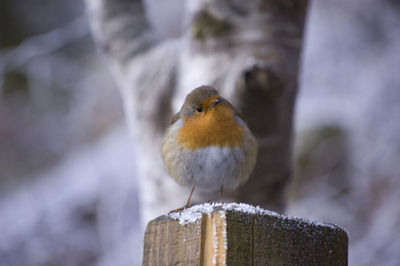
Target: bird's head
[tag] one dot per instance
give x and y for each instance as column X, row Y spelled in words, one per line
column 209, row 120
column 202, row 102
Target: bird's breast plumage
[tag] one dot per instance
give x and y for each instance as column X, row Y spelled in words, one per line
column 218, row 127
column 217, row 151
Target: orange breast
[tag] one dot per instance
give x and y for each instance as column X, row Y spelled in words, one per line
column 217, row 127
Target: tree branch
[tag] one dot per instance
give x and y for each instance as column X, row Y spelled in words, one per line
column 120, row 27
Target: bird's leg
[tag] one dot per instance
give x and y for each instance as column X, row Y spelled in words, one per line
column 187, row 203
column 190, row 197
column 222, row 193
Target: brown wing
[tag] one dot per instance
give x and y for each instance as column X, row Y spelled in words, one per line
column 175, row 117
column 239, row 114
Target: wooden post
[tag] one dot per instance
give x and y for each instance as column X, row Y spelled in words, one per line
column 240, row 234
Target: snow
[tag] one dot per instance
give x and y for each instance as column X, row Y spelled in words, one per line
column 194, row 213
column 42, row 219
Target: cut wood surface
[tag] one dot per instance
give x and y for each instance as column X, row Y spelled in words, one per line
column 240, row 234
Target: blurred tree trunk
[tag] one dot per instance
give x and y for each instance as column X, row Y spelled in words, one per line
column 249, row 50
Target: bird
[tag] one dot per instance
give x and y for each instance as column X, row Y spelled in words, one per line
column 208, row 145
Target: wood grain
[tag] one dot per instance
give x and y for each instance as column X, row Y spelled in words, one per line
column 232, row 237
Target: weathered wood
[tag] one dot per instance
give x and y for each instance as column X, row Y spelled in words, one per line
column 240, row 234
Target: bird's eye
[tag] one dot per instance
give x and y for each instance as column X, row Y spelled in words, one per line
column 199, row 109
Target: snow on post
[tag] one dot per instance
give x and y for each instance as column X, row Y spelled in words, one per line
column 240, row 234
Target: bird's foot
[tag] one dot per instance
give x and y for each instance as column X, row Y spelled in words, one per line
column 179, row 209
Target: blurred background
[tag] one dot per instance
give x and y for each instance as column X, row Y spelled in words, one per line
column 68, row 186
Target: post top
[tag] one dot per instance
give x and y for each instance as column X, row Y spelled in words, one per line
column 196, row 212
column 241, row 234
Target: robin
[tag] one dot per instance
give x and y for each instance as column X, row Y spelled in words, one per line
column 208, row 145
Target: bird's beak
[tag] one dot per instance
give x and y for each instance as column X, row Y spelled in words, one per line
column 213, row 103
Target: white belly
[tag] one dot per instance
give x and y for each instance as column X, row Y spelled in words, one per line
column 212, row 167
